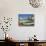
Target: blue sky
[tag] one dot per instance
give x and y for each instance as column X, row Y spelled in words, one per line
column 24, row 16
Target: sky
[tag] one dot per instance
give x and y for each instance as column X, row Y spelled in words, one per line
column 24, row 16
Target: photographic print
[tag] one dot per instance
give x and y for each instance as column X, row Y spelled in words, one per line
column 26, row 20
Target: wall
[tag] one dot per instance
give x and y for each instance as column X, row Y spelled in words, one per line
column 11, row 8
